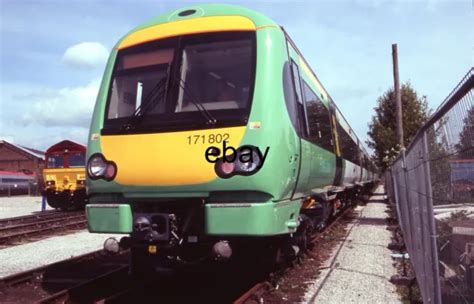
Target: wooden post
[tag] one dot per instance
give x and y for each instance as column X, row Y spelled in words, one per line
column 398, row 98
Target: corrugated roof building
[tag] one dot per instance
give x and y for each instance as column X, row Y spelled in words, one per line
column 21, row 159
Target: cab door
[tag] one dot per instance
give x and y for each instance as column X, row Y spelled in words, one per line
column 304, row 145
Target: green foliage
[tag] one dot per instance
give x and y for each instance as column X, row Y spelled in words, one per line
column 465, row 147
column 444, row 228
column 382, row 129
column 440, row 170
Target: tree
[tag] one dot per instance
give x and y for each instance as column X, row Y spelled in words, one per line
column 382, row 129
column 465, row 146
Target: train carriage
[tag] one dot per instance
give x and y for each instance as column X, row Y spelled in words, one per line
column 64, row 176
column 16, row 183
column 212, row 133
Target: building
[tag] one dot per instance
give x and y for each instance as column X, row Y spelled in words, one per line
column 16, row 158
column 462, row 179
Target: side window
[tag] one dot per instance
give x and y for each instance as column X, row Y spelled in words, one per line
column 296, row 81
column 349, row 149
column 318, row 119
column 299, row 100
column 290, row 95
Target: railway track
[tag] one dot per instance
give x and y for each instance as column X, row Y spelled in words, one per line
column 100, row 289
column 25, row 219
column 14, row 230
column 32, row 274
column 61, row 281
column 255, row 293
column 116, row 286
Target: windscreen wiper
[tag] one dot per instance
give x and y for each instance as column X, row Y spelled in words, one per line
column 157, row 94
column 210, row 120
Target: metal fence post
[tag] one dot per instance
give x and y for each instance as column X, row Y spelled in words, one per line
column 432, row 225
column 408, row 204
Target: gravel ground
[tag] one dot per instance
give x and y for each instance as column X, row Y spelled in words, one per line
column 359, row 269
column 20, row 205
column 36, row 254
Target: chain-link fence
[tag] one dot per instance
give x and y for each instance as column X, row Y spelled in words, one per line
column 432, row 184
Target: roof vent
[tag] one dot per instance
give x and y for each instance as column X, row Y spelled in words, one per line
column 186, row 13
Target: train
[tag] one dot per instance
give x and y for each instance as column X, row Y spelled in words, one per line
column 212, row 137
column 65, row 176
column 12, row 183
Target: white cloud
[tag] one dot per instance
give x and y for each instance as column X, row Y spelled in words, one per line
column 69, row 106
column 87, row 55
column 39, row 116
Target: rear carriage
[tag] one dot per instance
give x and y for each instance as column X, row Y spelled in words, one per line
column 12, row 183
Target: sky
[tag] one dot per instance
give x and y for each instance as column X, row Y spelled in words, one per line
column 53, row 54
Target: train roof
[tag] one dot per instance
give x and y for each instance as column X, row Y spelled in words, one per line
column 66, row 145
column 202, row 11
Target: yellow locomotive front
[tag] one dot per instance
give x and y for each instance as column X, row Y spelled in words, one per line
column 64, row 176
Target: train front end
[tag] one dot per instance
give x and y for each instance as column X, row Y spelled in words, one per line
column 65, row 176
column 183, row 147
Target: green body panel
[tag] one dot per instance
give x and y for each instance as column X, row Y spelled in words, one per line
column 109, row 219
column 323, row 168
column 252, row 219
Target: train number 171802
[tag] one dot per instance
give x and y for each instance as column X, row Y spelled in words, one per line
column 209, row 138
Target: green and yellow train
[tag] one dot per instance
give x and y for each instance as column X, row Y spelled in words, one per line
column 210, row 134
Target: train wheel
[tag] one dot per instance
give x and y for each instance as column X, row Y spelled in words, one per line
column 304, row 233
column 54, row 200
column 326, row 215
column 66, row 200
column 78, row 200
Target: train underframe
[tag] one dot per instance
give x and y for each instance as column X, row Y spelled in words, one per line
column 165, row 237
column 66, row 199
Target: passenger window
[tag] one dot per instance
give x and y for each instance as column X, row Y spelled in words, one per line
column 349, row 149
column 318, row 119
column 296, row 81
column 300, row 105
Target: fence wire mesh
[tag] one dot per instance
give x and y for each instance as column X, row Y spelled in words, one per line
column 432, row 184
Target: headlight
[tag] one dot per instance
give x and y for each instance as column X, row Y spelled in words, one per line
column 110, row 171
column 246, row 162
column 96, row 166
column 224, row 169
column 99, row 167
